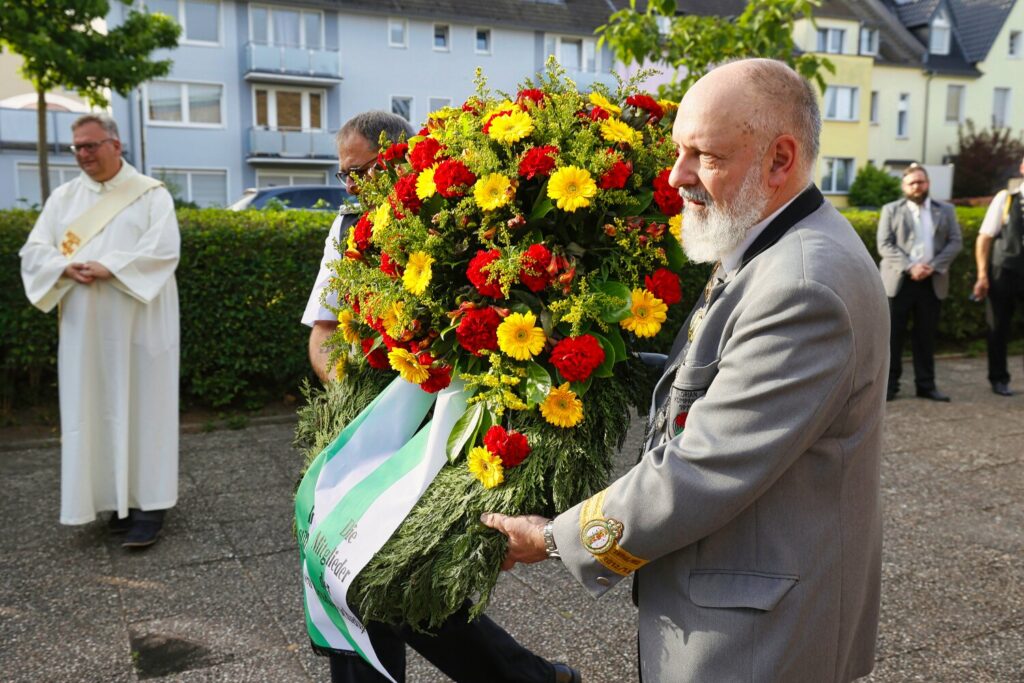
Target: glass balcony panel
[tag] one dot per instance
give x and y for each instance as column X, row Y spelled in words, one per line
column 291, row 144
column 296, row 61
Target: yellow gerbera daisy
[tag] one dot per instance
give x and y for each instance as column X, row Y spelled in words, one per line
column 418, row 272
column 599, row 100
column 646, row 314
column 425, row 186
column 519, row 337
column 675, row 225
column 392, row 320
column 572, row 188
column 405, row 363
column 616, row 130
column 511, row 128
column 562, row 408
column 381, row 216
column 492, row 191
column 669, row 106
column 346, row 322
column 486, row 467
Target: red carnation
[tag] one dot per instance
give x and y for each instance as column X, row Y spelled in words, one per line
column 615, row 177
column 665, row 196
column 424, row 154
column 440, row 378
column 664, row 284
column 655, row 111
column 534, row 273
column 362, row 231
column 480, row 276
column 511, row 447
column 478, row 330
column 395, row 151
column 405, row 190
column 597, row 114
column 471, row 106
column 452, row 178
column 538, row 161
column 577, row 357
column 376, row 358
column 532, row 94
column 487, row 124
column 388, row 265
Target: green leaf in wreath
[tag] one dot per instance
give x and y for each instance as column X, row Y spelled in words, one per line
column 641, row 201
column 448, row 329
column 538, row 383
column 542, row 207
column 674, row 252
column 605, row 368
column 618, row 311
column 614, row 335
column 463, row 431
column 581, row 387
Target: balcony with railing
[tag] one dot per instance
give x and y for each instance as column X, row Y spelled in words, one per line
column 18, row 129
column 288, row 64
column 291, row 146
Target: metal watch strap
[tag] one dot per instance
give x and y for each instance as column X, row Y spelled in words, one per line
column 549, row 541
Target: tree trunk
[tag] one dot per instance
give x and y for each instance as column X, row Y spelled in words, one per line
column 42, row 146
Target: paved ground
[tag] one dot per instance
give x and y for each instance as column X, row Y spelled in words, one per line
column 218, row 600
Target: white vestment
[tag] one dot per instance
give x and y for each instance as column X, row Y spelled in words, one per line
column 118, row 354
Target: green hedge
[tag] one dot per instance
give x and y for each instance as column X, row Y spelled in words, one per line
column 244, row 279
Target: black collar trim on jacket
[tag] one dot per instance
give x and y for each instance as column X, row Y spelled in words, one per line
column 803, row 206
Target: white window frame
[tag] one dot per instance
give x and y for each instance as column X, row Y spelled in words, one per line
column 405, row 32
column 182, row 22
column 323, row 180
column 873, row 107
column 851, row 171
column 157, row 171
column 303, row 43
column 903, row 107
column 185, row 123
column 829, row 32
column 1016, row 47
column 1006, row 107
column 940, row 35
column 584, row 44
column 873, row 38
column 71, row 170
column 853, row 114
column 490, row 40
column 305, row 109
column 961, row 102
column 412, row 105
column 447, row 47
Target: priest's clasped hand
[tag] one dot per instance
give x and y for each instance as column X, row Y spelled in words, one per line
column 85, row 273
column 525, row 537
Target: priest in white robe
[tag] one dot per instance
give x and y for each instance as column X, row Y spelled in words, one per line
column 119, row 338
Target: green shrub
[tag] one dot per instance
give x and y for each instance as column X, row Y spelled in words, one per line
column 873, row 188
column 243, row 283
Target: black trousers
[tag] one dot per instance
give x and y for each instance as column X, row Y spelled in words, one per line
column 477, row 651
column 1006, row 287
column 915, row 299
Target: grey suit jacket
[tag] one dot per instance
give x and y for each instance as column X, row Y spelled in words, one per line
column 896, row 239
column 753, row 517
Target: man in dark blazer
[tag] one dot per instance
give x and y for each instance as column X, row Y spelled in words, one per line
column 918, row 238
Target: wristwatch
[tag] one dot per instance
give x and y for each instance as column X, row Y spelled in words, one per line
column 549, row 541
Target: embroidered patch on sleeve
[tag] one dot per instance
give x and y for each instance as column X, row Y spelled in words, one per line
column 600, row 536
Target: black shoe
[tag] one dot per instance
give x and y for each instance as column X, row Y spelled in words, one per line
column 118, row 525
column 566, row 674
column 890, row 396
column 142, row 534
column 932, row 395
column 1001, row 388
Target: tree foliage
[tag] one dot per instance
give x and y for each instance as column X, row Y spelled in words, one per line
column 873, row 187
column 66, row 43
column 985, row 160
column 692, row 44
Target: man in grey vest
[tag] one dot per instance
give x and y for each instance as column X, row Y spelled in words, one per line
column 999, row 254
column 752, row 521
column 918, row 238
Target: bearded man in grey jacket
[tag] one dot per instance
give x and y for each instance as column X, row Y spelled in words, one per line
column 752, row 522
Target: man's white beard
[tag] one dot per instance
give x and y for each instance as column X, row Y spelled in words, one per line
column 714, row 231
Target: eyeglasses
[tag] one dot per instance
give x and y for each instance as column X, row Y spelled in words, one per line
column 352, row 174
column 89, row 147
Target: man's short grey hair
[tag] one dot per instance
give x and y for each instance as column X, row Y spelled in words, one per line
column 104, row 121
column 785, row 102
column 371, row 124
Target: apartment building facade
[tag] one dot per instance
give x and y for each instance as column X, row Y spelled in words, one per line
column 257, row 90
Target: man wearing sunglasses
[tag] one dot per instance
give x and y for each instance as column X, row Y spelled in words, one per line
column 466, row 651
column 105, row 248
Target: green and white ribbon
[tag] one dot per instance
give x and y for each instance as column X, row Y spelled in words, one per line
column 357, row 492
